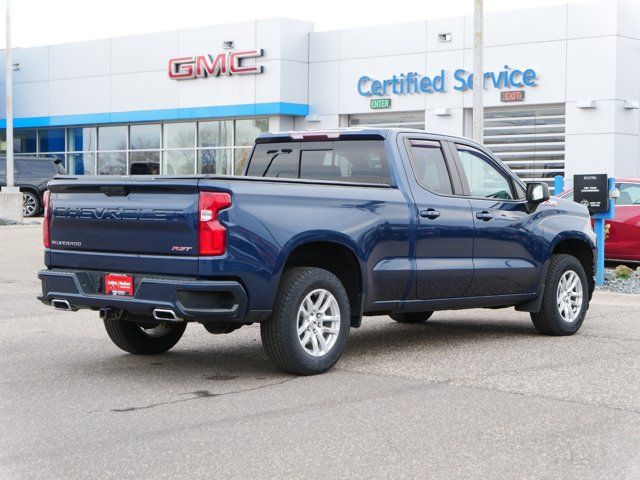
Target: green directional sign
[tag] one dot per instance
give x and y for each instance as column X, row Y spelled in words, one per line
column 380, row 103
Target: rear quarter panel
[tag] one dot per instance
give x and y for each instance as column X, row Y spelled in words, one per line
column 269, row 220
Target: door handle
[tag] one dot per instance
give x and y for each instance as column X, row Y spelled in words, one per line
column 430, row 213
column 485, row 216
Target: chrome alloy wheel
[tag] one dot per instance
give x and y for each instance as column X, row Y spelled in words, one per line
column 569, row 296
column 159, row 330
column 318, row 322
column 29, row 204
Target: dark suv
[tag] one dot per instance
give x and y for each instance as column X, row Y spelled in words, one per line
column 32, row 175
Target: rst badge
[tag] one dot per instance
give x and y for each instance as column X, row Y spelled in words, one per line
column 226, row 63
column 180, row 249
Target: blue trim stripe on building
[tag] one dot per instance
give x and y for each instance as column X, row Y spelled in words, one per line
column 247, row 110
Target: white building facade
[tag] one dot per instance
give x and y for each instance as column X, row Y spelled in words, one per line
column 562, row 90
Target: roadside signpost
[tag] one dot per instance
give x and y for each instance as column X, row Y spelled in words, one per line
column 597, row 193
column 10, row 195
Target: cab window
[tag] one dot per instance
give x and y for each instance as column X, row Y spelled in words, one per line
column 278, row 160
column 358, row 161
column 485, row 180
column 430, row 167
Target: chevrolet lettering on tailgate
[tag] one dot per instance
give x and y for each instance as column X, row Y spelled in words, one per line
column 90, row 213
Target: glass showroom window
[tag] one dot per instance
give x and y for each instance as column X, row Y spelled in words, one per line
column 51, row 142
column 215, row 140
column 112, row 150
column 179, row 154
column 81, row 145
column 25, row 141
column 246, row 132
column 144, row 149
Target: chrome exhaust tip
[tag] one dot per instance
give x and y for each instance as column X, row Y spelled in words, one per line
column 60, row 304
column 165, row 314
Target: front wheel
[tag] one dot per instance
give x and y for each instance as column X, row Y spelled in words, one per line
column 307, row 331
column 565, row 298
column 144, row 336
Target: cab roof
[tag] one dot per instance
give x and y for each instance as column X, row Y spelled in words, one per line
column 355, row 133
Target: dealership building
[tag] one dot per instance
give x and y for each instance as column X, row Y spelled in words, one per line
column 561, row 90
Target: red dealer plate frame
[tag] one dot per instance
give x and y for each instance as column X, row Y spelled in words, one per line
column 118, row 284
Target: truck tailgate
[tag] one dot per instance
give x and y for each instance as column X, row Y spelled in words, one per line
column 142, row 216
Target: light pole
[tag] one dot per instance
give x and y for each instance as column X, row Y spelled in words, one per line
column 478, row 74
column 10, row 196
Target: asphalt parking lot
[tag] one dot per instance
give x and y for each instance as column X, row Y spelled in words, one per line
column 470, row 394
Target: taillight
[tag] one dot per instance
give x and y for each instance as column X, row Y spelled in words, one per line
column 46, row 237
column 212, row 235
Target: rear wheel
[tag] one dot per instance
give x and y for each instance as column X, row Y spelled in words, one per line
column 140, row 336
column 566, row 297
column 30, row 204
column 307, row 332
column 413, row 317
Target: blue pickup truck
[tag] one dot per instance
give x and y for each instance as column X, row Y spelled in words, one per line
column 323, row 229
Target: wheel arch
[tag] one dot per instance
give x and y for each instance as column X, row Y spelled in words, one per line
column 339, row 258
column 582, row 248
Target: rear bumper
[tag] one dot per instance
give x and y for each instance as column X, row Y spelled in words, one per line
column 192, row 300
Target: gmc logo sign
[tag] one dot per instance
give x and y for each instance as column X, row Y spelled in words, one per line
column 201, row 66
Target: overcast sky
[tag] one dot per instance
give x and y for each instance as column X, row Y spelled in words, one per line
column 44, row 22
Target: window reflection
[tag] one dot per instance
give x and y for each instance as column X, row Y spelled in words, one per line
column 178, row 162
column 144, row 137
column 144, row 163
column 112, row 138
column 179, row 135
column 114, row 163
column 212, row 147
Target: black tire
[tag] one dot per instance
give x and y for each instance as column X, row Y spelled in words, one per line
column 549, row 320
column 31, row 204
column 130, row 336
column 280, row 331
column 413, row 317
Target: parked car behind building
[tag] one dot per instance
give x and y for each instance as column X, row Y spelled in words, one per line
column 32, row 175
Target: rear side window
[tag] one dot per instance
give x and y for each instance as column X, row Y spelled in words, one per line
column 430, row 167
column 278, row 160
column 360, row 161
column 45, row 167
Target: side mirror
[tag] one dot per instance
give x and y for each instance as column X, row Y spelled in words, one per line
column 537, row 192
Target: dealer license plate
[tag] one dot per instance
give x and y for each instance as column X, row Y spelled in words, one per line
column 118, row 284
